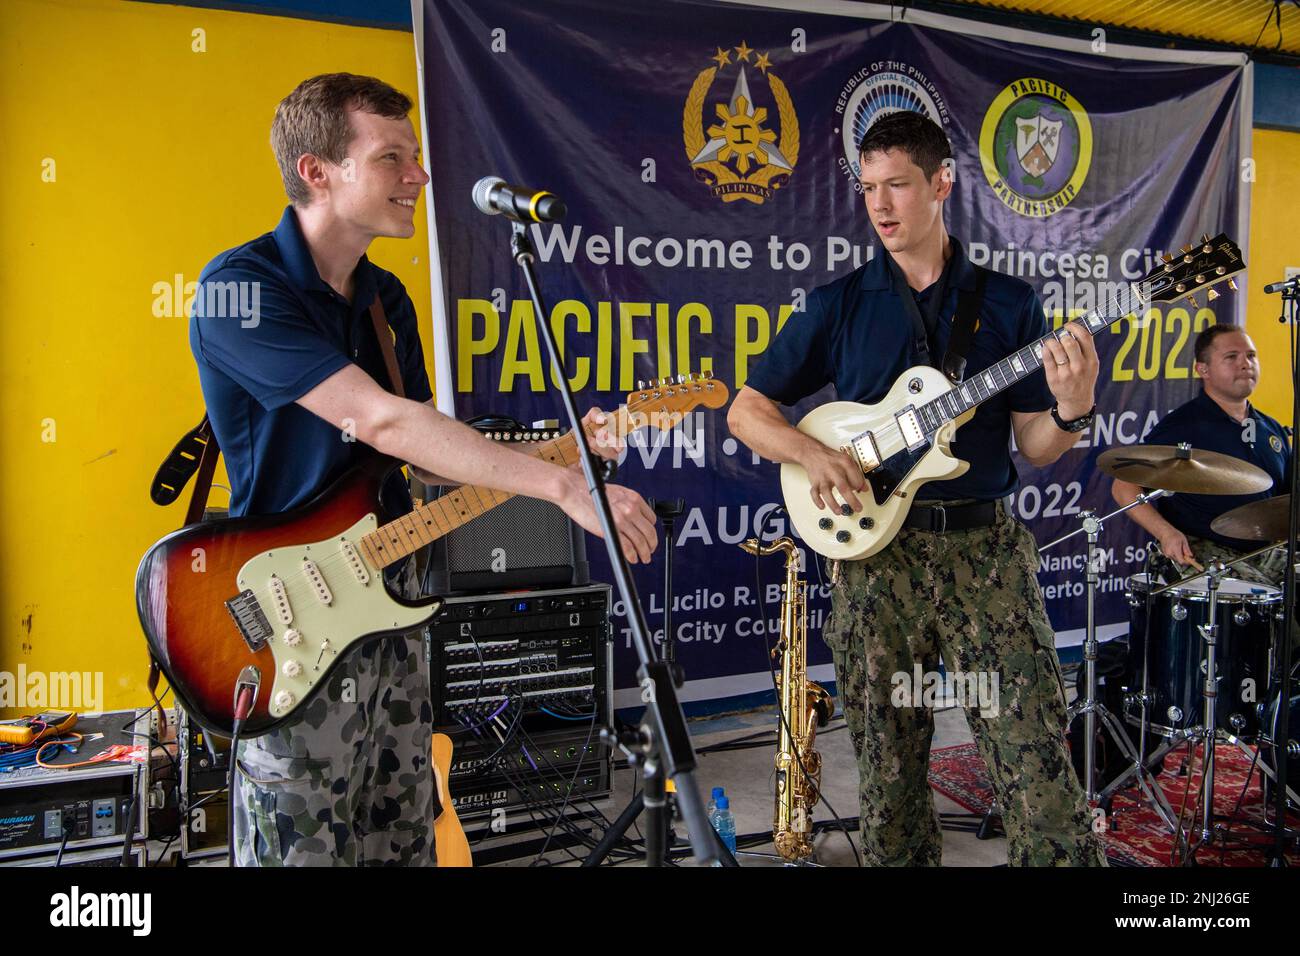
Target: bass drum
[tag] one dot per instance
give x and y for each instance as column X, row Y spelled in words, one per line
column 1176, row 658
column 1267, row 754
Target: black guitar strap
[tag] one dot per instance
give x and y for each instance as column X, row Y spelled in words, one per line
column 965, row 322
column 923, row 327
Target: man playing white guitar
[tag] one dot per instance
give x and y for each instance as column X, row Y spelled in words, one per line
column 958, row 580
column 293, row 393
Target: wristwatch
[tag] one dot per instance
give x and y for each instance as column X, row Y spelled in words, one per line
column 1074, row 424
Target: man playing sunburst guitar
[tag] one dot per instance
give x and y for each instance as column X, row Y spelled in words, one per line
column 958, row 580
column 297, row 390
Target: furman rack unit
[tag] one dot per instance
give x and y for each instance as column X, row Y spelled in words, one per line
column 92, row 806
column 518, row 680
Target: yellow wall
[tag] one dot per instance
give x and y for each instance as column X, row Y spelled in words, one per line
column 161, row 160
column 1274, row 245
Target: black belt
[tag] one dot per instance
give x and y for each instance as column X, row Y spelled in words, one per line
column 939, row 518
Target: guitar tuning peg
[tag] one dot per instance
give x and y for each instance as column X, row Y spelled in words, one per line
column 1167, row 258
column 640, row 385
column 1194, row 302
column 1232, row 284
column 1211, row 295
column 681, row 379
column 1205, row 238
column 1187, row 248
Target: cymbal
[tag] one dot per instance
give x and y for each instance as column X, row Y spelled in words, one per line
column 1183, row 469
column 1267, row 520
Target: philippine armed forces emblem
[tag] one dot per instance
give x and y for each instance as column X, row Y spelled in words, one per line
column 738, row 156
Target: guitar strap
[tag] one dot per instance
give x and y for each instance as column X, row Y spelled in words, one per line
column 196, row 454
column 384, row 334
column 965, row 322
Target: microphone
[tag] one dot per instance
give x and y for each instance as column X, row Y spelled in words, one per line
column 494, row 196
column 1286, row 285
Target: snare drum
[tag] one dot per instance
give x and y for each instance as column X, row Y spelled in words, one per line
column 1176, row 660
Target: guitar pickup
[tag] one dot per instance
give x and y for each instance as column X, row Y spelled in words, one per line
column 249, row 619
column 910, row 426
column 864, row 449
column 312, row 571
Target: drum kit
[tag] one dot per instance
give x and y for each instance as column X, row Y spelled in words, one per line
column 1205, row 651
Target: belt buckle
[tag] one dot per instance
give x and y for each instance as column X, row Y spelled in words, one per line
column 943, row 519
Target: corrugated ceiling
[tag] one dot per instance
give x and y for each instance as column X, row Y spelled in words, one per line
column 1234, row 22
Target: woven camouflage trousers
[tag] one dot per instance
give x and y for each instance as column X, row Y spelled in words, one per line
column 348, row 783
column 970, row 597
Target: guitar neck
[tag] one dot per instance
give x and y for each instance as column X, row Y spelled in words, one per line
column 1019, row 365
column 401, row 538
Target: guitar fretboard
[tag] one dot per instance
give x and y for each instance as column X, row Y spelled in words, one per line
column 403, row 537
column 1002, row 375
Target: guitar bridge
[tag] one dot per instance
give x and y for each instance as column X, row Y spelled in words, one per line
column 249, row 618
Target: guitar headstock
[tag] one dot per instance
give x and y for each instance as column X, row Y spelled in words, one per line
column 1192, row 269
column 664, row 401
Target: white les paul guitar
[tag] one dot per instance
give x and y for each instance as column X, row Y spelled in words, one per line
column 904, row 441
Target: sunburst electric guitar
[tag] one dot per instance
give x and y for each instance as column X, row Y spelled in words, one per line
column 288, row 594
column 904, row 441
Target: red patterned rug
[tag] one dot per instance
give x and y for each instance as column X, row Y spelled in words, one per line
column 1140, row 838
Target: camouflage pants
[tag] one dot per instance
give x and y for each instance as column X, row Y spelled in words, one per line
column 348, row 782
column 1267, row 568
column 972, row 598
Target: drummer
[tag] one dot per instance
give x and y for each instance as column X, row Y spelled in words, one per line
column 1219, row 419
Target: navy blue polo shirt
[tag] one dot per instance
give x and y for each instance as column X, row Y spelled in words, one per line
column 1204, row 425
column 255, row 363
column 856, row 334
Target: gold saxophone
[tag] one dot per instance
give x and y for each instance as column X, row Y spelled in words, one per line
column 805, row 706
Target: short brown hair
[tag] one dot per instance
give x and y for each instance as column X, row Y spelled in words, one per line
column 314, row 119
column 921, row 138
column 1205, row 339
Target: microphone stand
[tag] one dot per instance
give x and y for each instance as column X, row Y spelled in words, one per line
column 1281, row 737
column 662, row 744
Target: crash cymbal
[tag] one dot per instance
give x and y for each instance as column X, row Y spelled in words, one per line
column 1184, row 469
column 1266, row 520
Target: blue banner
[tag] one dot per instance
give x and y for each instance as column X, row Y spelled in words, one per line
column 707, row 154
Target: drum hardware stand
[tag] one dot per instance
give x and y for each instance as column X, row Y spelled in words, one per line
column 1208, row 734
column 1090, row 707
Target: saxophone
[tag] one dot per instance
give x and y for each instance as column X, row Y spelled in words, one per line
column 805, row 706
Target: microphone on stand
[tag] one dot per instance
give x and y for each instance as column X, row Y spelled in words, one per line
column 495, row 197
column 1286, row 285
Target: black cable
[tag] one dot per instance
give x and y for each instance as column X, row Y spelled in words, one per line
column 236, row 726
column 545, row 809
column 771, row 669
column 582, row 756
column 68, row 824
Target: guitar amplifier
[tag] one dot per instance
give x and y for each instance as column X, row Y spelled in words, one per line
column 520, row 544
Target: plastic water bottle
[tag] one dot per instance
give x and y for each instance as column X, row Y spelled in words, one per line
column 713, row 803
column 725, row 823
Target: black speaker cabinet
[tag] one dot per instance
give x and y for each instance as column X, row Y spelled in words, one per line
column 522, row 543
